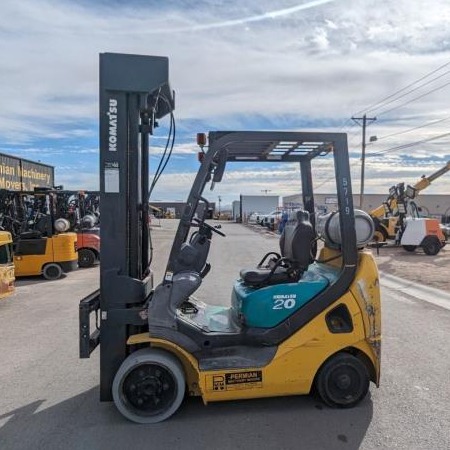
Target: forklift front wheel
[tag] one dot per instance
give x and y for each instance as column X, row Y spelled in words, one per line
column 52, row 271
column 86, row 257
column 410, row 248
column 343, row 381
column 149, row 386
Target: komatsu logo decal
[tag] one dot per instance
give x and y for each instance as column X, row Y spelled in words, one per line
column 112, row 114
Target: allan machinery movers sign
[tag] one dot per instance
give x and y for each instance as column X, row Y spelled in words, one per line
column 17, row 174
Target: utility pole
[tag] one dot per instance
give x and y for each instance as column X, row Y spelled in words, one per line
column 362, row 121
column 220, row 201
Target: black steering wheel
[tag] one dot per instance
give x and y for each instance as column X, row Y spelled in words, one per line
column 204, row 224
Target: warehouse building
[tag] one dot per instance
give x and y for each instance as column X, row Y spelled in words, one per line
column 248, row 204
column 433, row 205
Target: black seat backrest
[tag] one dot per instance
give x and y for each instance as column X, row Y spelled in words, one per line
column 297, row 240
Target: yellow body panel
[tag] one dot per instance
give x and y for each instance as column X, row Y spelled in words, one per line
column 59, row 248
column 297, row 360
column 7, row 278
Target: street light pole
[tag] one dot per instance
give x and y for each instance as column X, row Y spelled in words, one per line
column 364, row 120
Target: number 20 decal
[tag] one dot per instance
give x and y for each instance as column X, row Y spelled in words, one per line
column 281, row 303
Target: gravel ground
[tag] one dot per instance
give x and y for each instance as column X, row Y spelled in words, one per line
column 423, row 269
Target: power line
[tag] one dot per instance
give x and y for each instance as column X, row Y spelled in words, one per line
column 412, row 129
column 332, row 178
column 404, row 146
column 414, row 99
column 373, row 105
column 410, row 91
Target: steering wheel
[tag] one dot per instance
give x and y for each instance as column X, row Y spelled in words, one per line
column 209, row 227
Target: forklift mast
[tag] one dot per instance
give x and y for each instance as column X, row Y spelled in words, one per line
column 134, row 93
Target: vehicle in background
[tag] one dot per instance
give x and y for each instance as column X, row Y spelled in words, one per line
column 390, row 216
column 80, row 211
column 271, row 220
column 40, row 248
column 445, row 225
column 49, row 256
column 446, row 230
column 255, row 218
column 7, row 277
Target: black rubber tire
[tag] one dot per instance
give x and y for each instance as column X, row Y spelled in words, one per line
column 410, row 248
column 148, row 362
column 380, row 234
column 431, row 245
column 342, row 381
column 52, row 271
column 86, row 258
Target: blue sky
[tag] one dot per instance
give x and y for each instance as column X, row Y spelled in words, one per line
column 293, row 64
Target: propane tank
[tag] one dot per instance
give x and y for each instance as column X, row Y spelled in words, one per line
column 62, row 225
column 89, row 221
column 327, row 225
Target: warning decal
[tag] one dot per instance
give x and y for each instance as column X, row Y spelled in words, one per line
column 237, row 380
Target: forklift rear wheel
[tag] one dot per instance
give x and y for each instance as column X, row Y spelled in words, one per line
column 86, row 257
column 343, row 381
column 52, row 271
column 431, row 245
column 149, row 386
column 410, row 248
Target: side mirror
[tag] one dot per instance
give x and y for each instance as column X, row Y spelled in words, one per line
column 221, row 161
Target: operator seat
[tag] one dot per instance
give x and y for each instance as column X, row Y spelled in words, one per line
column 296, row 245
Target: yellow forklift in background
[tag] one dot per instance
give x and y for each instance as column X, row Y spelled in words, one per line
column 297, row 321
column 7, row 277
column 40, row 245
column 49, row 256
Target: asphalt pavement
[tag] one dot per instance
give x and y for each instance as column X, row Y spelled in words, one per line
column 49, row 398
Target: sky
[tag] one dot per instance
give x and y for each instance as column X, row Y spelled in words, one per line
column 235, row 65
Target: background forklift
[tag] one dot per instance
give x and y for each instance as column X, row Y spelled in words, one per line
column 79, row 211
column 398, row 219
column 7, row 286
column 295, row 322
column 38, row 248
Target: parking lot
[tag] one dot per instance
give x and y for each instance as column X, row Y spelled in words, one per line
column 49, row 397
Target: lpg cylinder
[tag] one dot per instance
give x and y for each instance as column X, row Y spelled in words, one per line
column 327, row 225
column 89, row 221
column 62, row 225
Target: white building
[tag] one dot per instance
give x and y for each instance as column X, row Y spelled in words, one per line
column 432, row 204
column 248, row 204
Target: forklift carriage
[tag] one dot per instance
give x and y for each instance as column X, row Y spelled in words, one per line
column 295, row 321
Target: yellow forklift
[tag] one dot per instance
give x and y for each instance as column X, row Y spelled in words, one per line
column 40, row 245
column 297, row 321
column 7, row 278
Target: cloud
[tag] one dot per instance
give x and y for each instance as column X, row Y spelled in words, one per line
column 244, row 20
column 240, row 65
